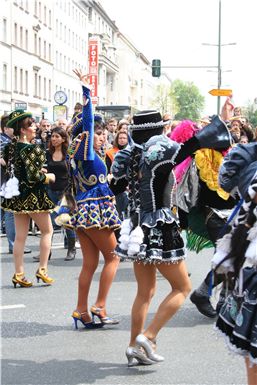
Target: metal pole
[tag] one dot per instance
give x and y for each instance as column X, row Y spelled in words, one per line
column 219, row 59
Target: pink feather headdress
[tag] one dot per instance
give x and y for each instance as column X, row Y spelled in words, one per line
column 181, row 133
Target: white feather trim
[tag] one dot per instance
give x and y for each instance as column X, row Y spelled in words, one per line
column 251, row 252
column 252, row 233
column 124, row 238
column 226, row 266
column 224, row 243
column 135, row 240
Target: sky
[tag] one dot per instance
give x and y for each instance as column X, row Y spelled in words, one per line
column 175, row 30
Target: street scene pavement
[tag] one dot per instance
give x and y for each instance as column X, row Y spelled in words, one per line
column 41, row 347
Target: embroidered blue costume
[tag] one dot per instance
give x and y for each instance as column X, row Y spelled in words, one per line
column 94, row 199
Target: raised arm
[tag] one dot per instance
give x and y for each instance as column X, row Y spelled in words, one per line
column 85, row 142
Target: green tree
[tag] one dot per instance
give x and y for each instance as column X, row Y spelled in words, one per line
column 163, row 101
column 250, row 112
column 187, row 100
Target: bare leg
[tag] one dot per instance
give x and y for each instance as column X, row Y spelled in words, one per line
column 21, row 232
column 177, row 276
column 251, row 372
column 90, row 262
column 43, row 221
column 105, row 241
column 146, row 284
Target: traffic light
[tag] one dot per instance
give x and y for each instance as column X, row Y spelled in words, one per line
column 156, row 68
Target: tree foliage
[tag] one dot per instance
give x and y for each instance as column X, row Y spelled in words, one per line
column 251, row 113
column 163, row 101
column 187, row 100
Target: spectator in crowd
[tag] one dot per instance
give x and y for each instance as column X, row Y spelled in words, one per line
column 56, row 164
column 167, row 118
column 44, row 133
column 112, row 128
column 77, row 109
column 63, row 123
column 25, row 194
column 120, row 142
column 123, row 125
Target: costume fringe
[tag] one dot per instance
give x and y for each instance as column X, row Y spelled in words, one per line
column 197, row 242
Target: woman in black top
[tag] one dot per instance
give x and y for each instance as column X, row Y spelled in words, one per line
column 56, row 162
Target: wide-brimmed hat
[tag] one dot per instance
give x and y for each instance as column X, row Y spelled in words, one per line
column 17, row 115
column 147, row 119
column 77, row 125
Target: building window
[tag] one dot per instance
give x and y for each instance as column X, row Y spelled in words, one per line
column 45, row 88
column 15, row 33
column 39, row 46
column 49, row 89
column 15, row 79
column 50, row 18
column 56, row 28
column 21, row 81
column 27, row 5
column 39, row 10
column 21, row 37
column 49, row 52
column 35, row 7
column 35, row 43
column 4, row 30
column 44, row 14
column 39, row 86
column 44, row 49
column 56, row 59
column 35, row 84
column 26, row 83
column 5, row 77
column 60, row 31
column 26, row 40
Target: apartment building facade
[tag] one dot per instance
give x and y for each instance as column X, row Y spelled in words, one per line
column 42, row 41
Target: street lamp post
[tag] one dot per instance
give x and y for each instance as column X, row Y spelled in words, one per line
column 219, row 45
column 219, row 59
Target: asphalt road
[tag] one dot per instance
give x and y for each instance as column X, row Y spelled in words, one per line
column 40, row 346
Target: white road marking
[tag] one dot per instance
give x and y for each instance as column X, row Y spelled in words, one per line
column 11, row 306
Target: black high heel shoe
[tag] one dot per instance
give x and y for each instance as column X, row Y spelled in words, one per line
column 96, row 312
column 77, row 316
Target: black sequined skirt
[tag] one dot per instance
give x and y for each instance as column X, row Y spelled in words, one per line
column 237, row 319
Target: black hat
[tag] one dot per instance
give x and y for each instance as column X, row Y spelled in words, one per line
column 147, row 119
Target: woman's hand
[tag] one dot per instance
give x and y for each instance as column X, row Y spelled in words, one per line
column 2, row 162
column 227, row 109
column 50, row 178
column 82, row 78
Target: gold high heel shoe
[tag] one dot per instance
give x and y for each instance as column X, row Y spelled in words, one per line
column 42, row 274
column 96, row 312
column 21, row 280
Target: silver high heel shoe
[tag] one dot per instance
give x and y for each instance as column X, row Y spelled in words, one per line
column 136, row 353
column 147, row 345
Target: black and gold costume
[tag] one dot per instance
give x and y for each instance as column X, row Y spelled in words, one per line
column 28, row 162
